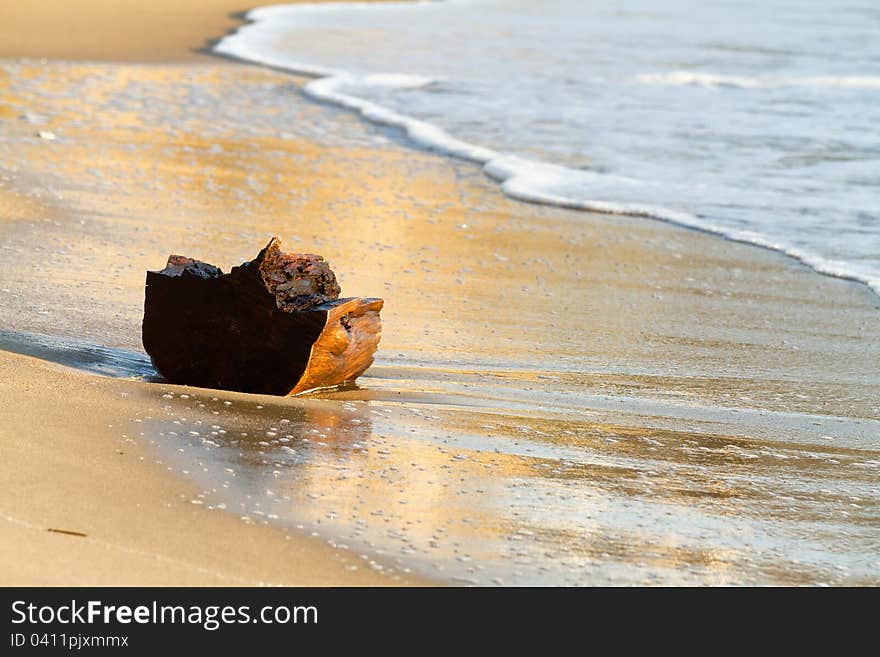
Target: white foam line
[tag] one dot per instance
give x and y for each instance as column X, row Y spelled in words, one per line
column 520, row 178
column 696, row 78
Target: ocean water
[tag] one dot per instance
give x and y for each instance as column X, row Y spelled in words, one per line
column 753, row 119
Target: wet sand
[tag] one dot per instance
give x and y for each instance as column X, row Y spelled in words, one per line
column 87, row 504
column 66, row 451
column 558, row 398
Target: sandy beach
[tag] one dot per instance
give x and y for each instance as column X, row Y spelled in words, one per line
column 67, row 454
column 675, row 392
column 63, row 433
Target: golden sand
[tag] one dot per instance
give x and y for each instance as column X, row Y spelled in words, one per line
column 462, row 268
column 64, row 454
column 68, row 464
column 118, row 30
column 211, row 159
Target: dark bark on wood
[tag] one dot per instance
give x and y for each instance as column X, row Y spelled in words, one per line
column 273, row 325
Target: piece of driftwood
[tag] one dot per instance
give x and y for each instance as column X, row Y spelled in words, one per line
column 274, row 325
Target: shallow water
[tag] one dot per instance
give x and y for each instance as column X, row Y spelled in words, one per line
column 748, row 118
column 489, row 496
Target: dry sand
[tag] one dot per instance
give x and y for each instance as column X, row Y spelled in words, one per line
column 67, row 465
column 703, row 375
column 117, row 30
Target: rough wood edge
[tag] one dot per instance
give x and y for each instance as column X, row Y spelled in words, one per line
column 344, row 350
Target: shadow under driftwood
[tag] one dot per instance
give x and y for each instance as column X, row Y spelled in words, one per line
column 81, row 354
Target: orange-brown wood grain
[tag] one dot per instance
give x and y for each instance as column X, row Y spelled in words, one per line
column 345, row 348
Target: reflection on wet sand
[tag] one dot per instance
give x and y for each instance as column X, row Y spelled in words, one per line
column 486, row 497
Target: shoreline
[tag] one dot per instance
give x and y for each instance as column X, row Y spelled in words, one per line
column 628, row 310
column 516, row 176
column 158, row 46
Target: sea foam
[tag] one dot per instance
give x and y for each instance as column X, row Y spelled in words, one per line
column 759, row 82
column 519, row 177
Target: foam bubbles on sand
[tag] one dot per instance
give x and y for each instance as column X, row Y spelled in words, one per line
column 527, row 498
